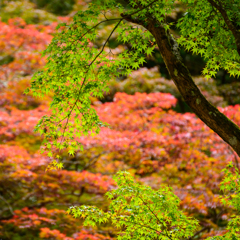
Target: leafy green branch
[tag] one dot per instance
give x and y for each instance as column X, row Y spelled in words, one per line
column 130, row 206
column 86, row 76
column 71, row 62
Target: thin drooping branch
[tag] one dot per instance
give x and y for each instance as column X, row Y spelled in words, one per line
column 151, row 3
column 116, row 19
column 104, row 45
column 198, row 232
column 107, row 20
column 179, row 73
column 144, row 226
column 228, row 22
column 8, row 204
column 90, row 64
column 155, row 215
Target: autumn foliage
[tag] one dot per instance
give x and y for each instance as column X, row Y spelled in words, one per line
column 146, row 136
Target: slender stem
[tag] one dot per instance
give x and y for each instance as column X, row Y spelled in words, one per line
column 152, row 212
column 128, row 15
column 198, row 232
column 228, row 22
column 145, row 226
column 86, row 77
column 9, row 206
column 113, row 19
column 100, row 51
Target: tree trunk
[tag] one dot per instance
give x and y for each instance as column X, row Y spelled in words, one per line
column 209, row 114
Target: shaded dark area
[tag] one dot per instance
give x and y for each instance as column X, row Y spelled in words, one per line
column 57, row 7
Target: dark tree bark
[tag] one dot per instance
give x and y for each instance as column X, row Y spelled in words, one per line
column 179, row 73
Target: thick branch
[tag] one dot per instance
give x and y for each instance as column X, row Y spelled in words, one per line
column 229, row 23
column 209, row 114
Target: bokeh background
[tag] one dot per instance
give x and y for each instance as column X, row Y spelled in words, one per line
column 154, row 134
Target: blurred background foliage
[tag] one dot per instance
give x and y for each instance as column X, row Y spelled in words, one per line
column 154, row 135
